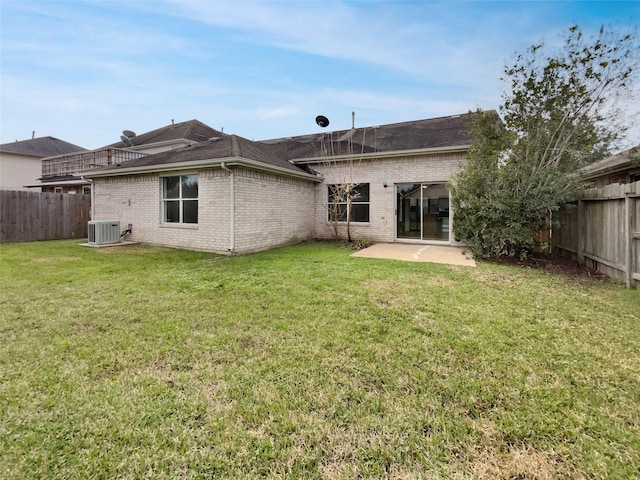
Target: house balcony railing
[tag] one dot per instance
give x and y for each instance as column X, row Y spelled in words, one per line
column 78, row 163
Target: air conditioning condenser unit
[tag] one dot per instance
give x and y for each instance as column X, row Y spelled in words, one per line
column 104, row 232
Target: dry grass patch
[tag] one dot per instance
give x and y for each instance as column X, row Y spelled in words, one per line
column 521, row 462
column 494, row 458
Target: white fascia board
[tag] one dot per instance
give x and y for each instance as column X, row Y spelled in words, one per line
column 165, row 143
column 194, row 164
column 617, row 167
column 378, row 155
column 30, row 155
column 58, row 183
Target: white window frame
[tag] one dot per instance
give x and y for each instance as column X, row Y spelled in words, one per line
column 354, row 202
column 180, row 199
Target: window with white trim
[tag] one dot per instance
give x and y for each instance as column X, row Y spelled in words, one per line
column 180, row 199
column 337, row 200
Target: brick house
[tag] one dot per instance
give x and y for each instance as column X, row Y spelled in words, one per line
column 231, row 195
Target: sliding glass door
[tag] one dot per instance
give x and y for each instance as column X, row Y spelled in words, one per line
column 422, row 211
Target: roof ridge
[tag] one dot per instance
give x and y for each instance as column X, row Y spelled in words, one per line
column 236, row 151
column 33, row 140
column 192, row 123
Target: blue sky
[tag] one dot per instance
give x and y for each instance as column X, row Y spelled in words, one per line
column 83, row 71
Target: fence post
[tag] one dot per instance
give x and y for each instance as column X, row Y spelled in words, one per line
column 581, row 233
column 628, row 240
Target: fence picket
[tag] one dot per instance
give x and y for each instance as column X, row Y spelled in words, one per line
column 601, row 232
column 31, row 216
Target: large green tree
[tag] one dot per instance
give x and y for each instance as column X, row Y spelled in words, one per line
column 560, row 111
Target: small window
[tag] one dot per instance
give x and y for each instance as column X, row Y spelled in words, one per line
column 86, row 190
column 180, row 199
column 337, row 202
column 57, row 189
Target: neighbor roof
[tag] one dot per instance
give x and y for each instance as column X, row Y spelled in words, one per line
column 613, row 164
column 41, row 147
column 290, row 154
column 192, row 130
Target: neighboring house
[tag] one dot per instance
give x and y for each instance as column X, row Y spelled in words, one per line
column 621, row 168
column 21, row 161
column 64, row 173
column 232, row 195
column 166, row 138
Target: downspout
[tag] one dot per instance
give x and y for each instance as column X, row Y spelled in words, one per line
column 93, row 197
column 232, row 208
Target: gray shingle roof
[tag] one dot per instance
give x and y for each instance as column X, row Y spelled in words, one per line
column 41, row 147
column 193, row 130
column 226, row 147
column 449, row 131
column 421, row 134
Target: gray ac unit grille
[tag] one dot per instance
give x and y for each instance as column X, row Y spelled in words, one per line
column 104, row 232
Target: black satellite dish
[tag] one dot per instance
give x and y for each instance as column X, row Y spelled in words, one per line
column 129, row 133
column 322, row 121
column 126, row 141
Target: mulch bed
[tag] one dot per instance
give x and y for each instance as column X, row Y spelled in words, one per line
column 552, row 264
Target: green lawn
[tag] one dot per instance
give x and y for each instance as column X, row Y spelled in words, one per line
column 303, row 362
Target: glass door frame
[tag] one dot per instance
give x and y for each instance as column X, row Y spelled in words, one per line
column 421, row 201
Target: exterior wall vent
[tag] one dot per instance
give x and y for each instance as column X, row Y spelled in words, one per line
column 104, row 232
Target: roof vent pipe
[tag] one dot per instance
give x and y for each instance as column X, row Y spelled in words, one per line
column 353, row 120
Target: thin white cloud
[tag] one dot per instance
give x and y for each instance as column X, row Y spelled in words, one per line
column 255, row 67
column 377, row 35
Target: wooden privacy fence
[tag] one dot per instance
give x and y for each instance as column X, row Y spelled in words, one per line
column 30, row 216
column 602, row 230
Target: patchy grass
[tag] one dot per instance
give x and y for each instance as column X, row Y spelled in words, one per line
column 304, row 362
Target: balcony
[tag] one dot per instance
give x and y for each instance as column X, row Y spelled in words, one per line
column 75, row 164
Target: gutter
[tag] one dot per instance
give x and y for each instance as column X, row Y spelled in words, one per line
column 232, row 207
column 80, row 181
column 206, row 163
column 590, row 174
column 182, row 142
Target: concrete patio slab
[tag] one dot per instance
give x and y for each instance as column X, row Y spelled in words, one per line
column 104, row 245
column 412, row 252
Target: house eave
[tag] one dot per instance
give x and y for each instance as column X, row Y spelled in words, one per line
column 54, row 183
column 30, row 156
column 164, row 143
column 377, row 155
column 205, row 163
column 602, row 172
